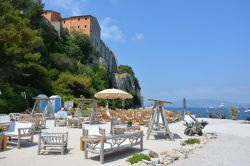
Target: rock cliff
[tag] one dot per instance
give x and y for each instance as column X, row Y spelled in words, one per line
column 129, row 83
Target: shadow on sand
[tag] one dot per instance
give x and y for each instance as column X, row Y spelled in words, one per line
column 109, row 158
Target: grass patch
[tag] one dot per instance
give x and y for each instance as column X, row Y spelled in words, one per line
column 192, row 141
column 138, row 157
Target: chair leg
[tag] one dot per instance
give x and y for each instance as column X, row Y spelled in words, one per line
column 102, row 152
column 102, row 159
column 141, row 146
column 62, row 147
column 18, row 141
column 39, row 144
column 85, row 154
column 62, row 151
column 32, row 137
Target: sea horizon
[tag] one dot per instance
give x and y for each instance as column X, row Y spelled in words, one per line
column 203, row 111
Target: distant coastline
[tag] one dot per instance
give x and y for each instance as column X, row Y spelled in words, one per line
column 205, row 103
column 202, row 111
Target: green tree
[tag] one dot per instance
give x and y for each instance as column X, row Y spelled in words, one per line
column 36, row 76
column 31, row 9
column 100, row 78
column 62, row 62
column 18, row 42
column 70, row 84
column 79, row 47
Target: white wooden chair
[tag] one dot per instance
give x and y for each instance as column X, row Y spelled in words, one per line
column 20, row 131
column 52, row 142
column 37, row 119
column 60, row 118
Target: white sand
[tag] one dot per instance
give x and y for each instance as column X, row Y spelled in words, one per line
column 230, row 148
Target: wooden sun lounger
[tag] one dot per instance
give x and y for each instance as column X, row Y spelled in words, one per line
column 106, row 144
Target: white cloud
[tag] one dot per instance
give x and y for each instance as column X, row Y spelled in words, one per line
column 73, row 7
column 138, row 36
column 110, row 30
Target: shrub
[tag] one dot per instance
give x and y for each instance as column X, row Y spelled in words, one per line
column 234, row 111
column 138, row 157
column 125, row 69
column 192, row 141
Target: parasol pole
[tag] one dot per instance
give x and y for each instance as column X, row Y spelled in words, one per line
column 184, row 106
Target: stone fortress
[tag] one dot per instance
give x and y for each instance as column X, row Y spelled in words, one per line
column 88, row 25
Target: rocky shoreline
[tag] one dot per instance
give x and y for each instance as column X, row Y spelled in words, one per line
column 169, row 157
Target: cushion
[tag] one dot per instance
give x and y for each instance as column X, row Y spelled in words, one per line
column 14, row 126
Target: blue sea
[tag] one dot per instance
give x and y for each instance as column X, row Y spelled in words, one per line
column 203, row 112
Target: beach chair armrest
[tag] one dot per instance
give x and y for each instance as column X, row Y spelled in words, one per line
column 25, row 131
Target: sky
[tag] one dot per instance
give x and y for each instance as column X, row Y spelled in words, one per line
column 198, row 49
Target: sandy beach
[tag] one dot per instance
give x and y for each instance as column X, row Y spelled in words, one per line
column 230, row 148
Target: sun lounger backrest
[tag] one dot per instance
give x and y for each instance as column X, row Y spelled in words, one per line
column 61, row 114
column 14, row 126
column 4, row 118
column 92, row 129
column 54, row 138
column 102, row 131
column 188, row 119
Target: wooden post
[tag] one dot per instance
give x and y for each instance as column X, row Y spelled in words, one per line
column 82, row 144
column 152, row 119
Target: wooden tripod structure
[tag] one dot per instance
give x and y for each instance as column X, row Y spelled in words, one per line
column 155, row 127
column 93, row 116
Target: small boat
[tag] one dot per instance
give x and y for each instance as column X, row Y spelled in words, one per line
column 216, row 112
column 221, row 105
column 247, row 109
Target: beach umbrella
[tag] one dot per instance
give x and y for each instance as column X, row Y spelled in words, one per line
column 113, row 94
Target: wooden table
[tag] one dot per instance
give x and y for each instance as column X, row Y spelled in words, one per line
column 89, row 138
column 3, row 139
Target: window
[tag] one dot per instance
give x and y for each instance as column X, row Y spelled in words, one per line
column 85, row 26
column 64, row 21
column 78, row 26
column 85, row 18
column 78, row 19
column 45, row 13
